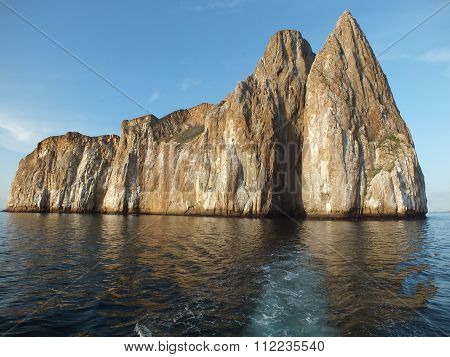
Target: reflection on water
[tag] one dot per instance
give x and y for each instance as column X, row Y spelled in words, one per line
column 170, row 276
column 375, row 272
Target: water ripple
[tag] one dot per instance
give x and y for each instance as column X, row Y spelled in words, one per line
column 94, row 275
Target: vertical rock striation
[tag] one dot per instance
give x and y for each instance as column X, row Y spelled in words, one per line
column 358, row 157
column 67, row 173
column 302, row 134
column 218, row 159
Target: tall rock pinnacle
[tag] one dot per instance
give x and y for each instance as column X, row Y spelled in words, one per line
column 358, row 157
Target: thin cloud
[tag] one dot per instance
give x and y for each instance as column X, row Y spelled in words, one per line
column 156, row 95
column 20, row 135
column 189, row 83
column 217, row 5
column 439, row 56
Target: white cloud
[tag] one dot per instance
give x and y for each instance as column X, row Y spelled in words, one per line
column 156, row 95
column 19, row 135
column 440, row 56
column 218, row 4
column 188, row 83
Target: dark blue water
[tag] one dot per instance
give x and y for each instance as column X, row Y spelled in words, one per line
column 68, row 274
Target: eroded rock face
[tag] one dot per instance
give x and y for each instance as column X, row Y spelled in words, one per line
column 321, row 136
column 358, row 157
column 218, row 159
column 67, row 173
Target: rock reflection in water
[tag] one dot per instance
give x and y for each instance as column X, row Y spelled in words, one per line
column 177, row 276
column 374, row 271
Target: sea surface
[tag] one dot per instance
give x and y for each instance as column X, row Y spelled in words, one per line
column 111, row 275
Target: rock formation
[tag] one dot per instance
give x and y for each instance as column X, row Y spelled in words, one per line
column 302, row 134
column 358, row 157
column 67, row 173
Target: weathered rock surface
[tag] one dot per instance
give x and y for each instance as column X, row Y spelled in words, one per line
column 358, row 157
column 67, row 173
column 321, row 136
column 217, row 159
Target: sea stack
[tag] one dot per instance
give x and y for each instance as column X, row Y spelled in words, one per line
column 358, row 157
column 303, row 135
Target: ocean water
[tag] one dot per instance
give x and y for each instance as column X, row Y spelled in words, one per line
column 111, row 275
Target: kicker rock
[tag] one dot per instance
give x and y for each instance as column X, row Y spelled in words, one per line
column 67, row 173
column 219, row 159
column 320, row 136
column 358, row 158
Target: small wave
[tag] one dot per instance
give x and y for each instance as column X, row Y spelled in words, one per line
column 142, row 330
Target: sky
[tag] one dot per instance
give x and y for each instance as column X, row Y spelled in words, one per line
column 159, row 56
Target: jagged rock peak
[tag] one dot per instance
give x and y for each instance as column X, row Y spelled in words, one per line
column 347, row 24
column 346, row 16
column 358, row 157
column 285, row 50
column 347, row 30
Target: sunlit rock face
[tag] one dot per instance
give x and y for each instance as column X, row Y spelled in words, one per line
column 320, row 136
column 220, row 159
column 67, row 173
column 358, row 157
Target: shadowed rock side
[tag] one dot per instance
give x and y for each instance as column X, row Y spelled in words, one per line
column 67, row 173
column 245, row 155
column 358, row 157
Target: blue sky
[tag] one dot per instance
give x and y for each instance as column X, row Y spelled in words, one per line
column 168, row 55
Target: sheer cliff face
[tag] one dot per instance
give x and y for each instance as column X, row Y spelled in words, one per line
column 218, row 159
column 66, row 173
column 301, row 134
